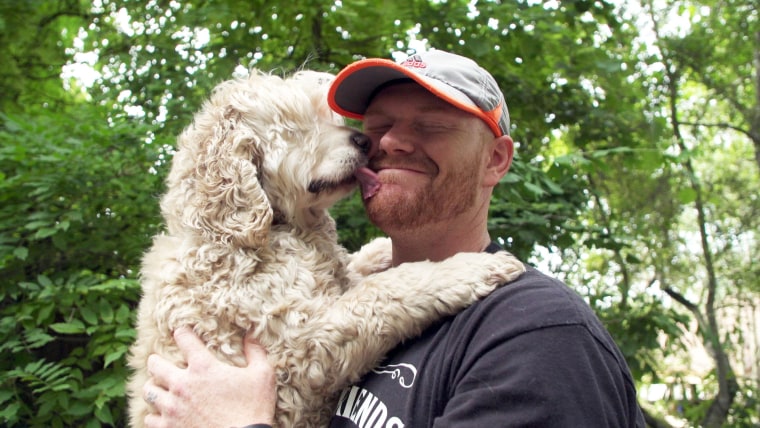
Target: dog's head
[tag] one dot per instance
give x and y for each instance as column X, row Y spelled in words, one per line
column 262, row 149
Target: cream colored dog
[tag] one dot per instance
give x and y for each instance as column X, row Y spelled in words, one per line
column 250, row 245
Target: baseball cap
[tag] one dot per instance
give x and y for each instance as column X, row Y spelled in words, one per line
column 458, row 80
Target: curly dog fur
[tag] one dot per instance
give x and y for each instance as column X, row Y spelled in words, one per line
column 250, row 245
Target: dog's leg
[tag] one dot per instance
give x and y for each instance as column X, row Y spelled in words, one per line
column 350, row 337
column 374, row 256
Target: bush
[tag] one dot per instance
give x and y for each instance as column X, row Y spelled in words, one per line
column 77, row 209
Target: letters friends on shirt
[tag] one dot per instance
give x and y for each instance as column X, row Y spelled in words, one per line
column 365, row 409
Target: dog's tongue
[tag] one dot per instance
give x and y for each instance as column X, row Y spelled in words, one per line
column 368, row 180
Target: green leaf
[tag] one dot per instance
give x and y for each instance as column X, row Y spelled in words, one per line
column 38, row 338
column 510, row 178
column 687, row 195
column 106, row 311
column 10, row 412
column 44, row 281
column 104, row 415
column 44, row 313
column 553, row 187
column 21, row 253
column 123, row 314
column 73, row 327
column 45, row 232
column 114, row 356
column 130, row 334
column 34, row 225
column 537, row 190
column 88, row 315
column 79, row 409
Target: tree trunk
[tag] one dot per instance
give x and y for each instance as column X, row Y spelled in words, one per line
column 755, row 120
column 717, row 412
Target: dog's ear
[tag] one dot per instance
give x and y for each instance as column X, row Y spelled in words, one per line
column 228, row 203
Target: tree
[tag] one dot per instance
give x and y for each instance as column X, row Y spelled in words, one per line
column 681, row 69
column 679, row 230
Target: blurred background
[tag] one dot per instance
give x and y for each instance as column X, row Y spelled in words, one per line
column 636, row 178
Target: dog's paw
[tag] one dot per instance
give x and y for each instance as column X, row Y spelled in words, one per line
column 489, row 271
column 375, row 256
column 509, row 268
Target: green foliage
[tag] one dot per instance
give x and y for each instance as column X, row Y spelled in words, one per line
column 63, row 341
column 32, row 52
column 532, row 206
column 171, row 65
column 73, row 188
column 353, row 230
column 746, row 409
column 639, row 328
column 77, row 209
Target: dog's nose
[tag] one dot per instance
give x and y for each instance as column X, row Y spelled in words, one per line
column 362, row 142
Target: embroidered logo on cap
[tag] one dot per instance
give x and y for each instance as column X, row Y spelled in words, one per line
column 414, row 61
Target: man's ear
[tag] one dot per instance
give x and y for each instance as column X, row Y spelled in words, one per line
column 500, row 152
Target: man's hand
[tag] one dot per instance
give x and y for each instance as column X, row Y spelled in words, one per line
column 209, row 393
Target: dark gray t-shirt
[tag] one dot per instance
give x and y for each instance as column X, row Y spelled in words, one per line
column 531, row 354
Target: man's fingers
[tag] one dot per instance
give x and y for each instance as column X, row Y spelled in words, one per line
column 163, row 373
column 190, row 344
column 151, row 394
column 153, row 420
column 255, row 354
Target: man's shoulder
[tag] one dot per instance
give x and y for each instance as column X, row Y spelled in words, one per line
column 536, row 290
column 535, row 293
column 532, row 301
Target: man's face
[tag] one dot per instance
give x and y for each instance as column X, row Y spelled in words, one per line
column 429, row 157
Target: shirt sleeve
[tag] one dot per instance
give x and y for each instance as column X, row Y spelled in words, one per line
column 556, row 376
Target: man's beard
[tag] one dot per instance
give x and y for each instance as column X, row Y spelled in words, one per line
column 434, row 203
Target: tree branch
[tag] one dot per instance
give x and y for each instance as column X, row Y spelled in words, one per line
column 678, row 297
column 722, row 125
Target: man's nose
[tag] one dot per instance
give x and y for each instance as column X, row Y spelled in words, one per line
column 396, row 140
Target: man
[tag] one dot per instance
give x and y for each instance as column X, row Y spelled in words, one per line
column 530, row 354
